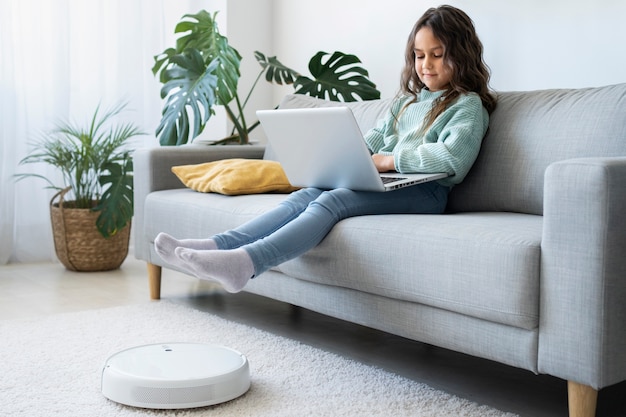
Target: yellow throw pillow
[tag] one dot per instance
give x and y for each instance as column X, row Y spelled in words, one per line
column 235, row 177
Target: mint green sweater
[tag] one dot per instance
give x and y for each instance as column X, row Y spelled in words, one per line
column 450, row 145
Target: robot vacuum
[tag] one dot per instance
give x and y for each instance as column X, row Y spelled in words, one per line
column 175, row 375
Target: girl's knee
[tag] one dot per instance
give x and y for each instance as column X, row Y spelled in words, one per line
column 336, row 201
column 302, row 198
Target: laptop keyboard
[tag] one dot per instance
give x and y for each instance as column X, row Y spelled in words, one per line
column 387, row 180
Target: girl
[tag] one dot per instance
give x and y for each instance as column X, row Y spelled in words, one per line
column 436, row 124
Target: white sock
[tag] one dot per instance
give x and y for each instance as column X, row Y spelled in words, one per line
column 231, row 268
column 165, row 246
column 169, row 243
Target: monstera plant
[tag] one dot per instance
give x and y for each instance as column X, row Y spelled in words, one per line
column 202, row 72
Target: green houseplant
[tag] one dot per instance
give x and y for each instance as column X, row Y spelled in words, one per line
column 202, row 71
column 96, row 166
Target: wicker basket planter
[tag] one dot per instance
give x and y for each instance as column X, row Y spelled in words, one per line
column 78, row 243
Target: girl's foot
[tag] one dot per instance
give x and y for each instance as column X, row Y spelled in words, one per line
column 165, row 246
column 169, row 243
column 231, row 268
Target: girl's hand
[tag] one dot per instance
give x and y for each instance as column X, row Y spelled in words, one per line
column 384, row 163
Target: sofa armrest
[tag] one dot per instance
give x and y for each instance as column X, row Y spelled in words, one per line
column 152, row 172
column 582, row 336
column 152, row 166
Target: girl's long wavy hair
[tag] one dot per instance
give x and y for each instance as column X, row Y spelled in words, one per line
column 463, row 54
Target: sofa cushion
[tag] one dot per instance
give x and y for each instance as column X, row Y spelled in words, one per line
column 186, row 213
column 523, row 139
column 484, row 265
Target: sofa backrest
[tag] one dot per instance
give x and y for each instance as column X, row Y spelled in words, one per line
column 528, row 131
column 366, row 113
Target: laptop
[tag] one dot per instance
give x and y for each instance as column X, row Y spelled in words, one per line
column 324, row 148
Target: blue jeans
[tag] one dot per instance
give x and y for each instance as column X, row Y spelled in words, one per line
column 301, row 221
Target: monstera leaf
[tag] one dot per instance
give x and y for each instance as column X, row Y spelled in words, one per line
column 202, row 71
column 275, row 71
column 116, row 203
column 204, row 36
column 339, row 79
column 227, row 71
column 189, row 89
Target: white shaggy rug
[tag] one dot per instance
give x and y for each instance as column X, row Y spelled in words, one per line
column 52, row 366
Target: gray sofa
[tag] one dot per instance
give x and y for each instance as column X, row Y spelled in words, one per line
column 526, row 268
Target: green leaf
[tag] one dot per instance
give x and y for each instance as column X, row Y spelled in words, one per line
column 227, row 71
column 340, row 78
column 202, row 71
column 201, row 30
column 202, row 34
column 116, row 203
column 276, row 71
column 96, row 165
column 161, row 61
column 190, row 96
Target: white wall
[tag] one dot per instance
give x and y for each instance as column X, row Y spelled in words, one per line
column 529, row 45
column 250, row 28
column 532, row 44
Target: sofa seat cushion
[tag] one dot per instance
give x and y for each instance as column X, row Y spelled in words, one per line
column 484, row 265
column 185, row 213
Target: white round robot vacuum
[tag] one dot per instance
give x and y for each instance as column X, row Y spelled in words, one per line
column 175, row 375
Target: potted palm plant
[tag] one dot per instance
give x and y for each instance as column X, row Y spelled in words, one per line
column 202, row 71
column 92, row 230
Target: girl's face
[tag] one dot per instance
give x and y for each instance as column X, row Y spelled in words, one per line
column 429, row 63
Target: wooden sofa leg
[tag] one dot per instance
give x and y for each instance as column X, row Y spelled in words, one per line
column 582, row 400
column 154, row 281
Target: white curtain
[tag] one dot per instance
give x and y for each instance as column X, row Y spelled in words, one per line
column 58, row 60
